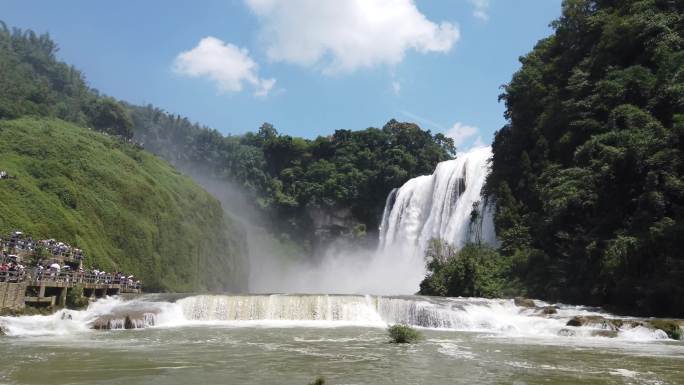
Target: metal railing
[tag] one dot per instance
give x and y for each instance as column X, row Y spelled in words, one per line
column 69, row 278
column 12, row 276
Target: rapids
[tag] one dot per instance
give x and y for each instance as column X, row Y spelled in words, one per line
column 497, row 316
column 292, row 339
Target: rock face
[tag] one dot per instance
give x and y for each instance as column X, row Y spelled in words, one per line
column 524, row 302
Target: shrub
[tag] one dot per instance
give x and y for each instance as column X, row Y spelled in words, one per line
column 75, row 299
column 318, row 381
column 473, row 271
column 403, row 334
column 670, row 327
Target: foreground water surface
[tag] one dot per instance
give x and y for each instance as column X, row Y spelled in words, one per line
column 256, row 340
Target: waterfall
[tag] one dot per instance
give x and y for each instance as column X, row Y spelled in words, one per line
column 441, row 206
column 501, row 316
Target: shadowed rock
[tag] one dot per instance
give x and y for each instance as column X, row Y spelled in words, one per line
column 524, row 302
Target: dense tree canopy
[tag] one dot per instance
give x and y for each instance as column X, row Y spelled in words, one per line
column 35, row 83
column 292, row 178
column 588, row 174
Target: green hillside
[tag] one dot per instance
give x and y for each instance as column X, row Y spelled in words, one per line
column 127, row 209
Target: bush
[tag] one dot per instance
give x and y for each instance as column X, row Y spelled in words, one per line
column 75, row 299
column 671, row 327
column 318, row 381
column 403, row 334
column 473, row 271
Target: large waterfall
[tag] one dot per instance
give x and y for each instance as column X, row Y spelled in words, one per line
column 441, row 206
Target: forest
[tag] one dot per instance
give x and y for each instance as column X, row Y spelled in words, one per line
column 588, row 173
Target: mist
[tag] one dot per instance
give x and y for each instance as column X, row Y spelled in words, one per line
column 340, row 268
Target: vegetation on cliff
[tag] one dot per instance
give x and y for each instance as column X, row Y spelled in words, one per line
column 126, row 208
column 588, row 173
column 294, row 179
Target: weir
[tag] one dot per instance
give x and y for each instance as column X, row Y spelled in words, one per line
column 498, row 316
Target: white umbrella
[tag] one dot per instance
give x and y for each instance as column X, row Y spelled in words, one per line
column 130, row 276
column 55, row 266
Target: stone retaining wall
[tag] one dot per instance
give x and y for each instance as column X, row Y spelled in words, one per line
column 12, row 295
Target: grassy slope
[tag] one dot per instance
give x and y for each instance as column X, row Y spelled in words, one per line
column 126, row 208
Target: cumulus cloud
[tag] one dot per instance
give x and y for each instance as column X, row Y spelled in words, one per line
column 228, row 66
column 343, row 36
column 481, row 9
column 460, row 132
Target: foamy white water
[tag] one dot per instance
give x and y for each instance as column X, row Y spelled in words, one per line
column 496, row 316
column 440, row 206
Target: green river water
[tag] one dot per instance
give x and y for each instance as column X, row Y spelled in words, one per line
column 216, row 354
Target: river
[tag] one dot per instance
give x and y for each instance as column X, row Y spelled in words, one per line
column 292, row 339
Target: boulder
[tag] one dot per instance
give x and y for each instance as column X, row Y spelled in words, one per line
column 102, row 323
column 128, row 323
column 595, row 321
column 604, row 333
column 524, row 302
column 673, row 328
column 548, row 310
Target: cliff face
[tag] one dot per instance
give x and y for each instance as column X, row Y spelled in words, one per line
column 126, row 208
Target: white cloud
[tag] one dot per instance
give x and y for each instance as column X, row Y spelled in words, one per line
column 343, row 36
column 227, row 65
column 481, row 9
column 396, row 87
column 460, row 132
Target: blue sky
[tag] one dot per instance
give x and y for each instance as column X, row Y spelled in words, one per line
column 307, row 66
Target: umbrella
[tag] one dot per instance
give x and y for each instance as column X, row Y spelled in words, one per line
column 55, row 266
column 130, row 276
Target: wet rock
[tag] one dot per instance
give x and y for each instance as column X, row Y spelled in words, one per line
column 566, row 333
column 524, row 302
column 604, row 333
column 595, row 321
column 128, row 323
column 124, row 320
column 548, row 310
column 102, row 323
column 673, row 328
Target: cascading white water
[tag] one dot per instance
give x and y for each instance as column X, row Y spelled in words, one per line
column 440, row 206
column 464, row 314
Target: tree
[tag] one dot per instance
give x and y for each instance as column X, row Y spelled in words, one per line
column 109, row 116
column 588, row 173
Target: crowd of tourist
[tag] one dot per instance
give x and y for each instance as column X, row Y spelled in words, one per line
column 51, row 260
column 19, row 243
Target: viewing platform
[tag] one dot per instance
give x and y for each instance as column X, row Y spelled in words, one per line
column 55, row 268
column 49, row 288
